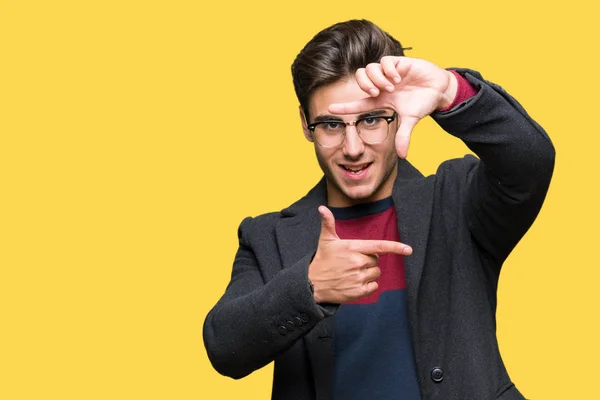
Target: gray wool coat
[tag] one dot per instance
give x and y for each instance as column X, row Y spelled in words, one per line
column 462, row 223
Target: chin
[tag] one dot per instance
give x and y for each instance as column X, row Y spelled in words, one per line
column 358, row 194
column 350, row 194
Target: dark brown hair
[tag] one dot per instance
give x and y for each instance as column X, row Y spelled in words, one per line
column 337, row 52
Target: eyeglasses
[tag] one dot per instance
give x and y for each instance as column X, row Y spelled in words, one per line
column 371, row 129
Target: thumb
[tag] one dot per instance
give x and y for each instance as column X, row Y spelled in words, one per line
column 403, row 135
column 327, row 224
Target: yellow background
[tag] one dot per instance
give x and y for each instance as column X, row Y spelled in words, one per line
column 136, row 135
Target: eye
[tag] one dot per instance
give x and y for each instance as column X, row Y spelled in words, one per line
column 332, row 125
column 370, row 123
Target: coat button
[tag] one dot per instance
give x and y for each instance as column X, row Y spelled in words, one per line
column 437, row 374
column 290, row 326
column 297, row 321
column 304, row 317
column 282, row 330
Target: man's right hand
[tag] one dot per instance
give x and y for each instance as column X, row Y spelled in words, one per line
column 346, row 270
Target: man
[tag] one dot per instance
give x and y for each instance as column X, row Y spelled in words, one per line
column 381, row 283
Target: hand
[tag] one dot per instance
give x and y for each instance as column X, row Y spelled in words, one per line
column 412, row 87
column 346, row 270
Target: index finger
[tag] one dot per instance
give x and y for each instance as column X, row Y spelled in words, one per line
column 381, row 247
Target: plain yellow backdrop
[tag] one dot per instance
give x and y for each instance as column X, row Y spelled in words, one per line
column 136, row 135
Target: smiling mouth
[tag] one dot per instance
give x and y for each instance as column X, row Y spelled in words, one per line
column 355, row 169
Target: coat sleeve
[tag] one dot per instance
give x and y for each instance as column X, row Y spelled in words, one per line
column 255, row 321
column 506, row 189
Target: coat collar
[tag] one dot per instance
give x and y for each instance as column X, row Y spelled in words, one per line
column 298, row 233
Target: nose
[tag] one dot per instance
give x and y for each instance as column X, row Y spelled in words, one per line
column 354, row 147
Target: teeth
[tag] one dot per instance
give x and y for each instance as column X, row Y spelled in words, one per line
column 355, row 171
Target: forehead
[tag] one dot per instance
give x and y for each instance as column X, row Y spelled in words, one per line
column 338, row 92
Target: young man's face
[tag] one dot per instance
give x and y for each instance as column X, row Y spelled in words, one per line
column 373, row 165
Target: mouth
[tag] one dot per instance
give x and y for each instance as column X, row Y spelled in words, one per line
column 354, row 172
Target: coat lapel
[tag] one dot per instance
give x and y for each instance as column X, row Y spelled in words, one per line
column 413, row 201
column 298, row 231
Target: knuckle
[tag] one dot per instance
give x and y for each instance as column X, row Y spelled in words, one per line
column 373, row 67
column 364, row 290
column 377, row 272
column 356, row 260
column 362, row 277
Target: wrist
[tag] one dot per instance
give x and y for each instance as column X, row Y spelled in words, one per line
column 310, row 282
column 315, row 295
column 450, row 93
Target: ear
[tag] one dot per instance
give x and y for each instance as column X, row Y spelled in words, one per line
column 307, row 133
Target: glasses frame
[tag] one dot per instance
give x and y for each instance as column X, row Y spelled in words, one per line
column 388, row 119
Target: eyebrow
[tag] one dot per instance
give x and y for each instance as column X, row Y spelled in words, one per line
column 328, row 117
